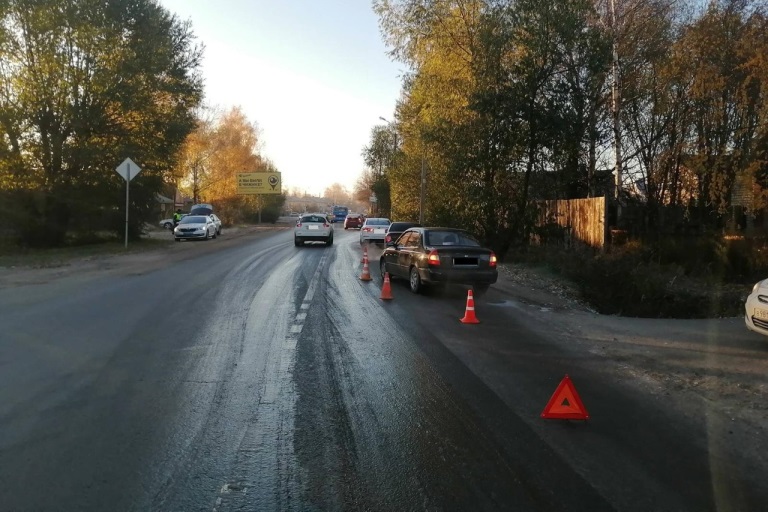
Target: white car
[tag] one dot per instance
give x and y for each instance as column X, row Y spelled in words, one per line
column 756, row 314
column 168, row 223
column 193, row 227
column 374, row 229
column 313, row 227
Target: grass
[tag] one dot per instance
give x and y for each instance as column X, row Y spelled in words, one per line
column 14, row 256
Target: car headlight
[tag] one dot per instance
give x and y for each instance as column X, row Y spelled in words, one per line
column 757, row 285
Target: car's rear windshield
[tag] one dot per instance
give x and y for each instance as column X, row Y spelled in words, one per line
column 402, row 226
column 193, row 219
column 377, row 222
column 314, row 218
column 446, row 238
column 202, row 210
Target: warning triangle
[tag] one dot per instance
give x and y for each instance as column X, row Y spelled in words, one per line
column 565, row 403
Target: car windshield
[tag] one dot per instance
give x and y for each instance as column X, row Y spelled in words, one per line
column 377, row 222
column 314, row 218
column 446, row 238
column 194, row 219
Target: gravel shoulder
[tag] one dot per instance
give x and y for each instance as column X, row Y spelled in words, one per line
column 714, row 367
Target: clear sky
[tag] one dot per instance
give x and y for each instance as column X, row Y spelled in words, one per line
column 313, row 74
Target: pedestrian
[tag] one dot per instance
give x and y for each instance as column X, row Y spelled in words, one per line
column 177, row 217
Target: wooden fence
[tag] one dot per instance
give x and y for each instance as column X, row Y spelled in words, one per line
column 571, row 220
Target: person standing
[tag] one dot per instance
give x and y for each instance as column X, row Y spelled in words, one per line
column 177, row 217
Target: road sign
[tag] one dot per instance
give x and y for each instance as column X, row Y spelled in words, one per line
column 373, row 198
column 256, row 183
column 128, row 170
column 565, row 403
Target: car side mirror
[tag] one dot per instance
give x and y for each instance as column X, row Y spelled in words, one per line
column 391, row 244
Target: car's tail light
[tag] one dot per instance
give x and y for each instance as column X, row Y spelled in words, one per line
column 325, row 225
column 298, row 224
column 493, row 259
column 368, row 229
column 433, row 258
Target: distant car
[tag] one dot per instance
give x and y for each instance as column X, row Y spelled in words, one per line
column 398, row 228
column 374, row 230
column 195, row 227
column 168, row 223
column 201, row 209
column 313, row 227
column 295, row 214
column 217, row 222
column 353, row 220
column 756, row 308
column 440, row 256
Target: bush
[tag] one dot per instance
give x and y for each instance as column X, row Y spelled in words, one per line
column 642, row 281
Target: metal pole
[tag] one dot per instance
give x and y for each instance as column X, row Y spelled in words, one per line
column 127, row 193
column 423, row 188
column 616, row 97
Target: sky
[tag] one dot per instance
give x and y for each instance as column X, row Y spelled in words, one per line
column 314, row 75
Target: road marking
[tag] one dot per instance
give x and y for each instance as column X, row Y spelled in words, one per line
column 284, row 359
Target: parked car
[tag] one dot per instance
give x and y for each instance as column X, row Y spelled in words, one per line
column 313, row 227
column 201, row 209
column 354, row 220
column 440, row 256
column 374, row 230
column 168, row 223
column 195, row 227
column 217, row 222
column 398, row 228
column 756, row 308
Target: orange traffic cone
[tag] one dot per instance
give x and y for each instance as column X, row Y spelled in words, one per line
column 469, row 314
column 365, row 254
column 366, row 275
column 386, row 289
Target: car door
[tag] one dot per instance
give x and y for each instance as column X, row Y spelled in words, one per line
column 410, row 245
column 392, row 258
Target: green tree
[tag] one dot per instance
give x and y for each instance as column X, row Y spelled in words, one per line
column 84, row 84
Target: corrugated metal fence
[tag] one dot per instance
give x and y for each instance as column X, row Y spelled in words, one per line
column 581, row 220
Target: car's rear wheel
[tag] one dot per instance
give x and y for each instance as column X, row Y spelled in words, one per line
column 177, row 239
column 297, row 242
column 329, row 241
column 415, row 280
column 383, row 268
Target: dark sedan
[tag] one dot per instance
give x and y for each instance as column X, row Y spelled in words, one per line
column 439, row 256
column 397, row 228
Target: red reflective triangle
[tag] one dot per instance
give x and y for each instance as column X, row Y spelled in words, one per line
column 565, row 403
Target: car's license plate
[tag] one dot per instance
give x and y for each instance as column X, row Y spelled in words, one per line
column 761, row 314
column 313, row 227
column 379, row 230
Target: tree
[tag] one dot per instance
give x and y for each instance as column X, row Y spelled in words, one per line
column 83, row 84
column 337, row 194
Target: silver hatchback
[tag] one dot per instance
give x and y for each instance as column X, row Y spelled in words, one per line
column 313, row 227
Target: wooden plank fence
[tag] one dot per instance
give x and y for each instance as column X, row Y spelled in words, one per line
column 572, row 220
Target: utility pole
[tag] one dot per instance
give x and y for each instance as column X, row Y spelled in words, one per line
column 616, row 100
column 423, row 189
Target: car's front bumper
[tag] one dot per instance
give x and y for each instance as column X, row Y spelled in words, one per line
column 752, row 321
column 191, row 235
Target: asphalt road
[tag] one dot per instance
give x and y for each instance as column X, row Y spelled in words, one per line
column 269, row 377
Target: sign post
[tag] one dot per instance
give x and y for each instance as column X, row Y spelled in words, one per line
column 128, row 170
